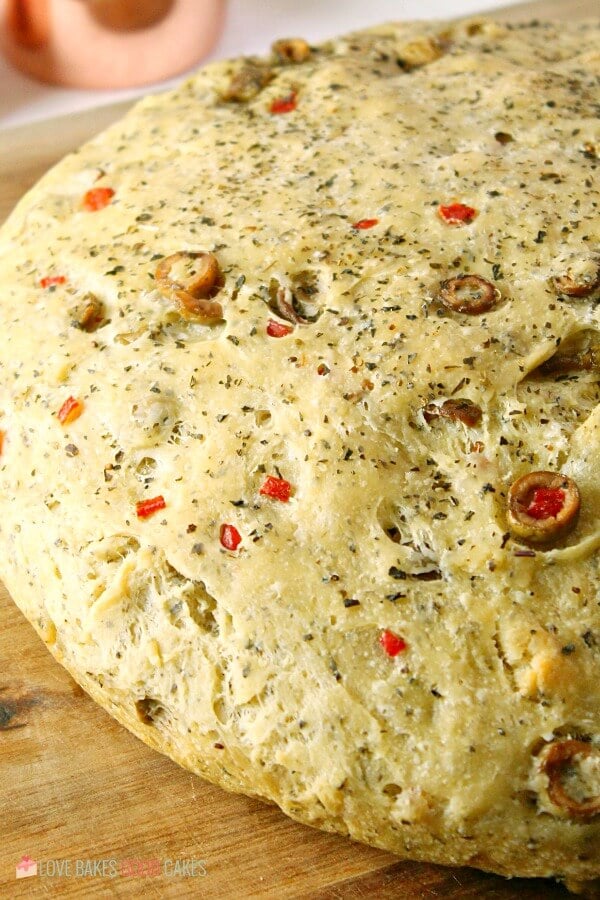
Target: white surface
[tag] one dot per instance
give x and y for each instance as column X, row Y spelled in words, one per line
column 250, row 27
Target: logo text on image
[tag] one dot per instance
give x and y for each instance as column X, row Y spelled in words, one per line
column 26, row 867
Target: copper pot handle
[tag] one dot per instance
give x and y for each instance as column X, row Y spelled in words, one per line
column 108, row 43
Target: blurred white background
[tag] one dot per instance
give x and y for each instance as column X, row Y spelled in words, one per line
column 250, row 27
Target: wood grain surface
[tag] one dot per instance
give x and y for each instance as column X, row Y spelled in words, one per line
column 77, row 789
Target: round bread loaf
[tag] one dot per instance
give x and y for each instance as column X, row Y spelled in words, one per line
column 300, row 414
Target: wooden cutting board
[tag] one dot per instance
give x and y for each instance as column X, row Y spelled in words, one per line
column 77, row 789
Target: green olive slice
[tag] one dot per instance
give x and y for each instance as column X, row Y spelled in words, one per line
column 469, row 294
column 543, row 507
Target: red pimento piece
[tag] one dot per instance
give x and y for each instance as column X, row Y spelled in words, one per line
column 51, row 280
column 2, row 433
column 230, row 537
column 391, row 643
column 365, row 223
column 284, row 104
column 546, row 503
column 277, row 488
column 70, row 410
column 276, row 329
column 145, row 508
column 457, row 214
column 97, row 198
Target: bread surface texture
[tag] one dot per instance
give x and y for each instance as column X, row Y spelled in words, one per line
column 260, row 511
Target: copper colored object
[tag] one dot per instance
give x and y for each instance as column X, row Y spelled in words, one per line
column 108, row 43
